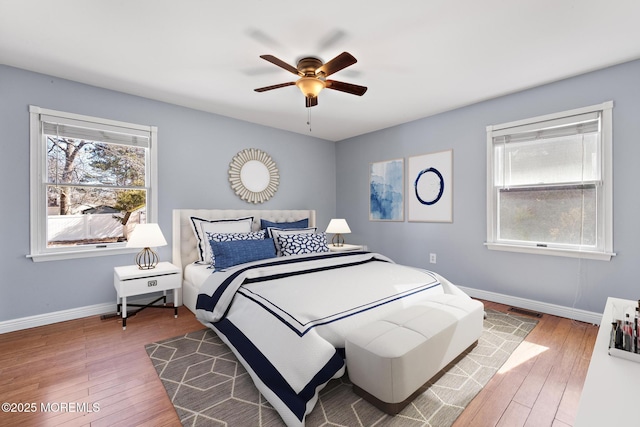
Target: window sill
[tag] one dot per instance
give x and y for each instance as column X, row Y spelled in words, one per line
column 600, row 256
column 57, row 256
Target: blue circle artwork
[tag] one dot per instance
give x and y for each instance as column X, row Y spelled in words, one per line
column 430, row 200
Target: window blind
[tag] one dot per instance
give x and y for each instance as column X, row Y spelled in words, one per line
column 554, row 152
column 565, row 126
column 78, row 129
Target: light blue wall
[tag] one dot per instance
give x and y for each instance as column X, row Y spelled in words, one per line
column 461, row 256
column 194, row 152
column 196, row 147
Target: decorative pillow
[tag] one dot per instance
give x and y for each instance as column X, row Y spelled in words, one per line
column 231, row 237
column 295, row 244
column 202, row 226
column 274, row 233
column 303, row 223
column 236, row 252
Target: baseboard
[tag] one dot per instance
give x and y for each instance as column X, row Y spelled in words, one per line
column 542, row 307
column 55, row 317
column 64, row 315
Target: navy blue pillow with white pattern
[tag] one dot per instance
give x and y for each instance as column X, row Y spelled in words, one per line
column 232, row 237
column 308, row 243
column 234, row 252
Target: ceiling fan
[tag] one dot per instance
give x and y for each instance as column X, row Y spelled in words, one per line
column 313, row 76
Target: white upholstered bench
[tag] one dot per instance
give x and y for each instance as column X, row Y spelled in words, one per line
column 389, row 360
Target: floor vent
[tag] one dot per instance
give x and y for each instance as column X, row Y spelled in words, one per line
column 109, row 316
column 525, row 312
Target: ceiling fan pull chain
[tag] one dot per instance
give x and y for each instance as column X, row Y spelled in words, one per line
column 309, row 117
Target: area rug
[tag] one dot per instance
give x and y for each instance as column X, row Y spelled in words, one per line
column 209, row 387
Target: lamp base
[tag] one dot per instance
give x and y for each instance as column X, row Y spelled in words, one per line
column 337, row 240
column 146, row 259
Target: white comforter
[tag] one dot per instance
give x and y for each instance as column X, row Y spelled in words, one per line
column 286, row 318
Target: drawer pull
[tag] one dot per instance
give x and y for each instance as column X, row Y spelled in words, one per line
column 151, row 283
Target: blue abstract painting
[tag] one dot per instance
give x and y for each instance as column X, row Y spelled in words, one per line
column 386, row 188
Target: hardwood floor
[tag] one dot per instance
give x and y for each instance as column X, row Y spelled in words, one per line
column 540, row 384
column 94, row 362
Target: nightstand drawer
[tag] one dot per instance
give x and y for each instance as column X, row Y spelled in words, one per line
column 147, row 285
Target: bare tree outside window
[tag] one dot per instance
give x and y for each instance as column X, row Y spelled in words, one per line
column 101, row 185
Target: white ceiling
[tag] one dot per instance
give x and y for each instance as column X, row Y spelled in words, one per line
column 417, row 57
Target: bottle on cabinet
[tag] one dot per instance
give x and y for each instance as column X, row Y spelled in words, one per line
column 612, row 337
column 627, row 332
column 618, row 342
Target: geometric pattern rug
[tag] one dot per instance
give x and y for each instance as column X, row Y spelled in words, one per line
column 209, row 387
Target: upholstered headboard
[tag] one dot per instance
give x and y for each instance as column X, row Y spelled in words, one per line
column 184, row 241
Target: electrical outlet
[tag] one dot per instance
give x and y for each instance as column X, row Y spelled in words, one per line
column 432, row 258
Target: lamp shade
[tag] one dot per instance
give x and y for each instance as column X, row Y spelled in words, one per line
column 310, row 86
column 146, row 236
column 338, row 226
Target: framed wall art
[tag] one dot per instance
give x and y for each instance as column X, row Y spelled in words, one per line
column 386, row 190
column 430, row 187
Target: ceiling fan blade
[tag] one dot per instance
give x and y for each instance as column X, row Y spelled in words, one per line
column 266, row 88
column 280, row 63
column 345, row 87
column 310, row 102
column 336, row 64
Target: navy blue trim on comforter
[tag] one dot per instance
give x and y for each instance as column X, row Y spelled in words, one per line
column 268, row 374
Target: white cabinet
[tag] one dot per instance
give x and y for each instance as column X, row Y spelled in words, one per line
column 610, row 389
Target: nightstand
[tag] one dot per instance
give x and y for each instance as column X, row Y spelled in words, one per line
column 345, row 248
column 130, row 280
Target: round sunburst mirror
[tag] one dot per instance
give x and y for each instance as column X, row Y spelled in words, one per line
column 253, row 175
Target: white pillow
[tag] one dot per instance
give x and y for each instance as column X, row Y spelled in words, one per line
column 202, row 226
column 274, row 232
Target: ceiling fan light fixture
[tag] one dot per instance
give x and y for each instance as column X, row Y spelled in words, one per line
column 310, row 86
column 312, row 76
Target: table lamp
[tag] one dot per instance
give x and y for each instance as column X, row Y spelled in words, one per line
column 338, row 226
column 146, row 236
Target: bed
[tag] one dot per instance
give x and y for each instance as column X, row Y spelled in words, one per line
column 286, row 317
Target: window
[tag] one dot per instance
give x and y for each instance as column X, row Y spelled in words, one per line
column 549, row 184
column 92, row 180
